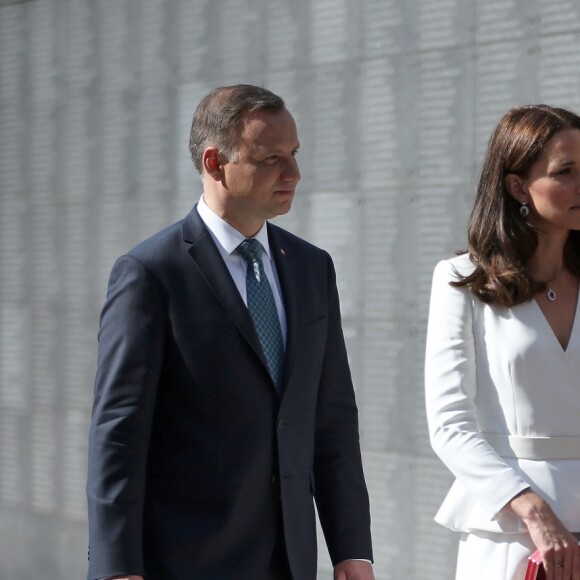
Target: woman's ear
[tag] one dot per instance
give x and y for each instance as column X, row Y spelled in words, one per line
column 516, row 188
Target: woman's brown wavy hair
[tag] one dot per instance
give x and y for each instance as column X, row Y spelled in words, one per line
column 499, row 241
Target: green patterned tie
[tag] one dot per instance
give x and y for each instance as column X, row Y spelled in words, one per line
column 262, row 308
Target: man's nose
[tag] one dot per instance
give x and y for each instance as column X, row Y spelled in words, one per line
column 292, row 172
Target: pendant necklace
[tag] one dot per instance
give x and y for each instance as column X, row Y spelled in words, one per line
column 551, row 293
column 549, row 289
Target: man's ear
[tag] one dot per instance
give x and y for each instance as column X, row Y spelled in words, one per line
column 516, row 187
column 211, row 163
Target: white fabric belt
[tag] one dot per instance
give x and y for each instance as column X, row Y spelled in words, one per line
column 535, row 447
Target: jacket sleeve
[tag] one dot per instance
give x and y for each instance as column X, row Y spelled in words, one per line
column 451, row 397
column 128, row 368
column 341, row 494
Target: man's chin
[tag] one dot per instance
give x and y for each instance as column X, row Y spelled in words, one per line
column 281, row 209
column 286, row 208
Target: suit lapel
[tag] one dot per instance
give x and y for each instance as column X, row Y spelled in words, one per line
column 210, row 263
column 289, row 277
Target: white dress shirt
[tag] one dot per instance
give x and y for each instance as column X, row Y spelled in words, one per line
column 227, row 239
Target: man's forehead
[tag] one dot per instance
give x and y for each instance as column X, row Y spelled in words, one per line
column 265, row 117
column 268, row 125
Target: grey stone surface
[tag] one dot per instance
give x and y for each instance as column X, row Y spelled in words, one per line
column 395, row 100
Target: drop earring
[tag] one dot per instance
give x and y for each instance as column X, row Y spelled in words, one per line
column 524, row 210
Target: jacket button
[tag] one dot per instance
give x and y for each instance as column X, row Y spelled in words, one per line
column 274, row 480
column 281, row 423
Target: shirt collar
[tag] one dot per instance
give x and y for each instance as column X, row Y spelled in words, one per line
column 227, row 237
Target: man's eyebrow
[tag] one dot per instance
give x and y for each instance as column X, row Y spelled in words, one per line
column 275, row 149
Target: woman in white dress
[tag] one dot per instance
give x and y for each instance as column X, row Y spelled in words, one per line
column 502, row 365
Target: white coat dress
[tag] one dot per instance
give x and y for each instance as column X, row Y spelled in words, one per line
column 503, row 410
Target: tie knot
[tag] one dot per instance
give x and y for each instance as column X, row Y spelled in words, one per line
column 251, row 250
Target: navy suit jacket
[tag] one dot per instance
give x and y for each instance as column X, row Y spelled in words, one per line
column 192, row 451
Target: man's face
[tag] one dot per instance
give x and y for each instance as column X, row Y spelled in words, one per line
column 259, row 183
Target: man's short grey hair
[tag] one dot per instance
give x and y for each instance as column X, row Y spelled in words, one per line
column 217, row 117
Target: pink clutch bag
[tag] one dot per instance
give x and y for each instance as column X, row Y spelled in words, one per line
column 535, row 569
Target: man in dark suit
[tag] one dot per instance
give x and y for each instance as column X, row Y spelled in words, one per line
column 223, row 398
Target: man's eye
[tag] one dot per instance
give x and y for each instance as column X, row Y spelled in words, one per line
column 564, row 171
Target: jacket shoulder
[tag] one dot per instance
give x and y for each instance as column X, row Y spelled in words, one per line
column 284, row 236
column 453, row 269
column 156, row 252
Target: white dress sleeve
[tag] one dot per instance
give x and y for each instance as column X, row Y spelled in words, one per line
column 484, row 479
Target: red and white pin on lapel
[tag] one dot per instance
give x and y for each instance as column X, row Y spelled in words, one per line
column 283, row 251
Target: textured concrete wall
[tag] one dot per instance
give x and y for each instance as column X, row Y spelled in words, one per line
column 395, row 100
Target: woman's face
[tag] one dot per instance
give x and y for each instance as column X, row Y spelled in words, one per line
column 552, row 188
